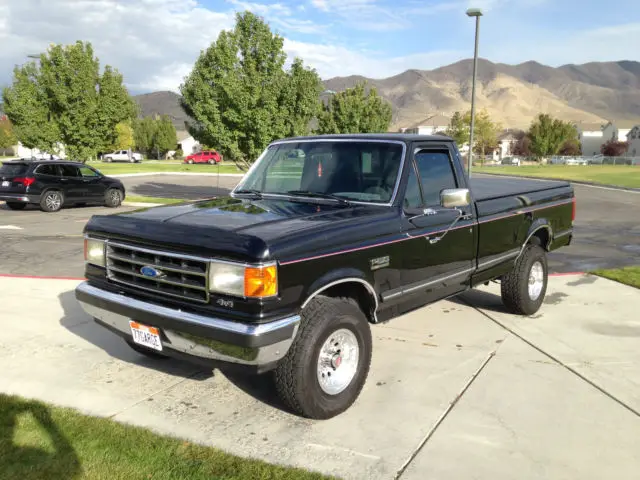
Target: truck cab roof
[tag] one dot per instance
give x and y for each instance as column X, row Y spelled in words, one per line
column 403, row 137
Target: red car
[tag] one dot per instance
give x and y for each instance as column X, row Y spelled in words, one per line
column 206, row 156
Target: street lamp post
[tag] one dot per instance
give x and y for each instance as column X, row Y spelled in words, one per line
column 473, row 12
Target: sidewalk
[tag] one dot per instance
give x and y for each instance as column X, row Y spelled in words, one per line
column 546, row 397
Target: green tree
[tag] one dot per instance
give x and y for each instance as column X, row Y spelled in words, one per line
column 355, row 111
column 240, row 95
column 124, row 136
column 7, row 137
column 485, row 135
column 165, row 137
column 27, row 107
column 143, row 133
column 548, row 135
column 155, row 136
column 459, row 128
column 66, row 100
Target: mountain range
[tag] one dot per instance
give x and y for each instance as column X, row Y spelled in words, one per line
column 512, row 94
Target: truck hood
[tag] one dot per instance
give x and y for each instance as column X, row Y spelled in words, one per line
column 243, row 229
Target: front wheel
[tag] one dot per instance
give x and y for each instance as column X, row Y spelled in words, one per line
column 327, row 365
column 523, row 289
column 113, row 198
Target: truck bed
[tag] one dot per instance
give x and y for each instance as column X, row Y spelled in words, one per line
column 487, row 188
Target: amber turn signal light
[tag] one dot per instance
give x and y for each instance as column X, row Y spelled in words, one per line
column 260, row 281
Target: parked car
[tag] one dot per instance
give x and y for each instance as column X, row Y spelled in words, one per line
column 52, row 184
column 287, row 272
column 122, row 156
column 206, row 156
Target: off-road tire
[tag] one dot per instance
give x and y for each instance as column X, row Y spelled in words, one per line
column 110, row 200
column 46, row 206
column 515, row 284
column 147, row 352
column 295, row 376
column 16, row 205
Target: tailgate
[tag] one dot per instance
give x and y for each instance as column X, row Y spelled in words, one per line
column 13, row 178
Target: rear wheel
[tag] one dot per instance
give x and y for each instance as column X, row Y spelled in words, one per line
column 51, row 201
column 16, row 205
column 113, row 198
column 523, row 289
column 327, row 365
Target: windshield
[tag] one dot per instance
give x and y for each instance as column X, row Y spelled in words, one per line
column 354, row 170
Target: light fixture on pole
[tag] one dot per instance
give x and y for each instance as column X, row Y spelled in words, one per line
column 473, row 12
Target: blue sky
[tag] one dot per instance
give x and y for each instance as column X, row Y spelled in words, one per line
column 155, row 42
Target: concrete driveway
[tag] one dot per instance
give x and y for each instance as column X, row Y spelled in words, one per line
column 459, row 389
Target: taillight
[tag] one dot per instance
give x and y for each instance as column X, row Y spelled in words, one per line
column 573, row 210
column 26, row 181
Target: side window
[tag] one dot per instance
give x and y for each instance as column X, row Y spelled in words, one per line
column 50, row 170
column 88, row 172
column 436, row 174
column 412, row 198
column 69, row 171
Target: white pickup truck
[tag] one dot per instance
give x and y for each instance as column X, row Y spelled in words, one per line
column 122, row 156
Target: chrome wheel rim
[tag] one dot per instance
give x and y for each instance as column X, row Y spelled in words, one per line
column 338, row 361
column 52, row 201
column 536, row 280
column 115, row 197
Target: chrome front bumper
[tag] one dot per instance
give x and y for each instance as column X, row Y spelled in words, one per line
column 205, row 339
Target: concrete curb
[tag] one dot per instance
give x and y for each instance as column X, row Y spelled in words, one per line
column 588, row 184
column 127, row 175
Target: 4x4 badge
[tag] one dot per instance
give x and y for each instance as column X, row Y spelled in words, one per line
column 379, row 262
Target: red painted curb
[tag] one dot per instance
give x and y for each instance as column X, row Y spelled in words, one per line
column 10, row 275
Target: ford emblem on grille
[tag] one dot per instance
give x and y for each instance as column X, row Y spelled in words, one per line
column 149, row 271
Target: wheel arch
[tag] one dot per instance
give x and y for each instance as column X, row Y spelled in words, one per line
column 347, row 284
column 541, row 233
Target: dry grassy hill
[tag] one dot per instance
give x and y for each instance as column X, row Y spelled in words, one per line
column 513, row 94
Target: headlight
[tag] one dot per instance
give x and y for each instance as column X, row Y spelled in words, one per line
column 243, row 281
column 94, row 251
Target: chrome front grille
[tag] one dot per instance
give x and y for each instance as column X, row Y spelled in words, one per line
column 181, row 276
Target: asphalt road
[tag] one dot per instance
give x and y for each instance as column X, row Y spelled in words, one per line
column 607, row 228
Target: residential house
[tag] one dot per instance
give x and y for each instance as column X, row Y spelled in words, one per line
column 633, row 137
column 616, row 131
column 20, row 151
column 507, row 141
column 186, row 142
column 591, row 138
column 430, row 125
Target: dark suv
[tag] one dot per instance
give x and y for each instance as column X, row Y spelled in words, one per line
column 52, row 184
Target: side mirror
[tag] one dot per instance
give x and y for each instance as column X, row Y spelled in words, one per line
column 455, row 197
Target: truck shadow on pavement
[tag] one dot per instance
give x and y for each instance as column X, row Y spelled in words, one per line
column 20, row 418
column 80, row 324
column 480, row 299
column 168, row 190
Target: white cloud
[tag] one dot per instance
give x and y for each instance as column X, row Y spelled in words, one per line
column 152, row 42
column 333, row 60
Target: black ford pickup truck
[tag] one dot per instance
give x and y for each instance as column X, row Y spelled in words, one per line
column 323, row 236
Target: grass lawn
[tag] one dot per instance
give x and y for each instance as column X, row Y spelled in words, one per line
column 621, row 175
column 144, row 167
column 166, row 201
column 39, row 441
column 626, row 275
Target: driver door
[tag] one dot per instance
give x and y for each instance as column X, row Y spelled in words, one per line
column 438, row 258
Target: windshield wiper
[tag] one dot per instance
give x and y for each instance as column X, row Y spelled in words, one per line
column 307, row 193
column 249, row 191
